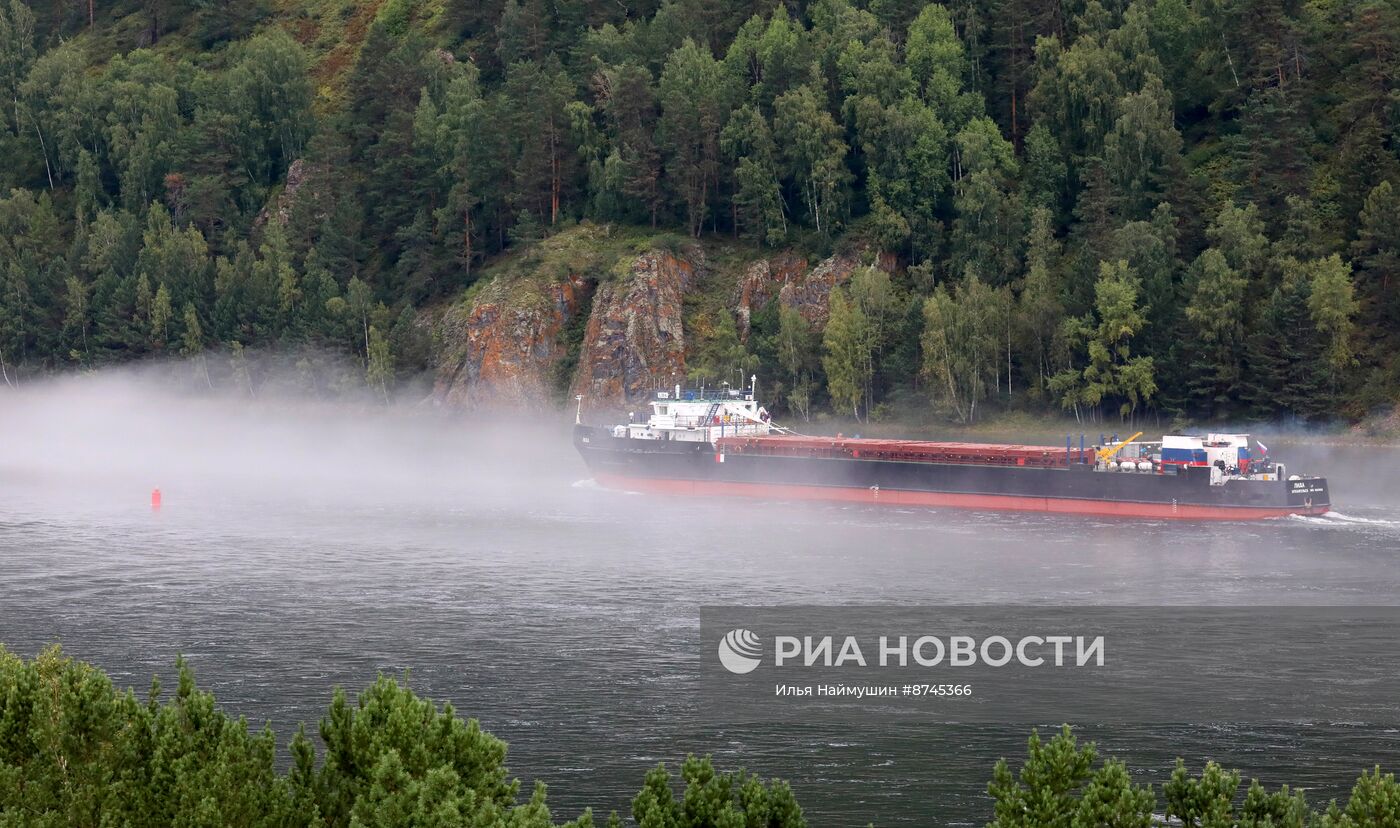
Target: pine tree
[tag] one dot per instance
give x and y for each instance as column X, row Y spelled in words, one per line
column 1375, row 799
column 694, row 97
column 175, row 259
column 1239, row 234
column 1149, row 248
column 1112, row 798
column 450, row 133
column 1271, row 152
column 1041, row 307
column 536, row 98
column 1204, row 800
column 758, row 199
column 989, row 229
column 1303, row 235
column 383, row 91
column 1376, row 254
column 1044, row 791
column 1282, row 354
column 192, row 340
column 628, row 97
column 714, row 799
column 141, row 308
column 1215, row 313
column 76, row 318
column 1043, row 179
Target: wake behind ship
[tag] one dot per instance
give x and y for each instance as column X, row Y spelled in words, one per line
column 725, row 443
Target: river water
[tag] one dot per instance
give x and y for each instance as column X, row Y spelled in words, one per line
column 302, row 547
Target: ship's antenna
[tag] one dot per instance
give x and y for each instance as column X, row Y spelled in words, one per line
column 578, row 412
column 753, row 386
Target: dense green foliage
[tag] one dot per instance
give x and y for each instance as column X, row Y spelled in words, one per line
column 75, row 751
column 1064, row 785
column 1109, row 207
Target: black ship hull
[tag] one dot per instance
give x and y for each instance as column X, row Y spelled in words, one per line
column 698, row 468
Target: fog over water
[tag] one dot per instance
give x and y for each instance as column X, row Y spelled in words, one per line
column 304, row 545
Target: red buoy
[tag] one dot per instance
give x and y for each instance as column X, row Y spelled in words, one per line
column 155, row 498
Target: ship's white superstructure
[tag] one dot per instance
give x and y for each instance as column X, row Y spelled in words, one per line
column 700, row 417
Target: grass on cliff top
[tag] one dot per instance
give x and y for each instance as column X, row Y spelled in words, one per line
column 602, row 252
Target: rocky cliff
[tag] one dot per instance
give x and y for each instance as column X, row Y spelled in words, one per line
column 811, row 294
column 498, row 350
column 305, row 188
column 635, row 340
column 786, row 276
column 761, row 281
column 519, row 340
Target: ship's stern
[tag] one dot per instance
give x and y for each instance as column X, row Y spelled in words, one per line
column 1309, row 495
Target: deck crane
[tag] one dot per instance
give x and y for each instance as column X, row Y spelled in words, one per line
column 1106, row 453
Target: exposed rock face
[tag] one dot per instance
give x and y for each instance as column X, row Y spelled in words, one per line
column 635, row 342
column 502, row 350
column 499, row 352
column 763, row 280
column 299, row 175
column 786, row 276
column 811, row 293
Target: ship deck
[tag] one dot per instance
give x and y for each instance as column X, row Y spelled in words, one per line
column 909, row 451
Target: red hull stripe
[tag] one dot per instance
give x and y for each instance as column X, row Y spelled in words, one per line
column 897, row 497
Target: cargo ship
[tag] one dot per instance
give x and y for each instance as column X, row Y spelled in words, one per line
column 725, row 443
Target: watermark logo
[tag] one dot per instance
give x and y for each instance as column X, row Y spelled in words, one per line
column 870, row 665
column 740, row 651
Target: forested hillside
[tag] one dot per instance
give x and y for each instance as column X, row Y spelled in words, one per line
column 1189, row 207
